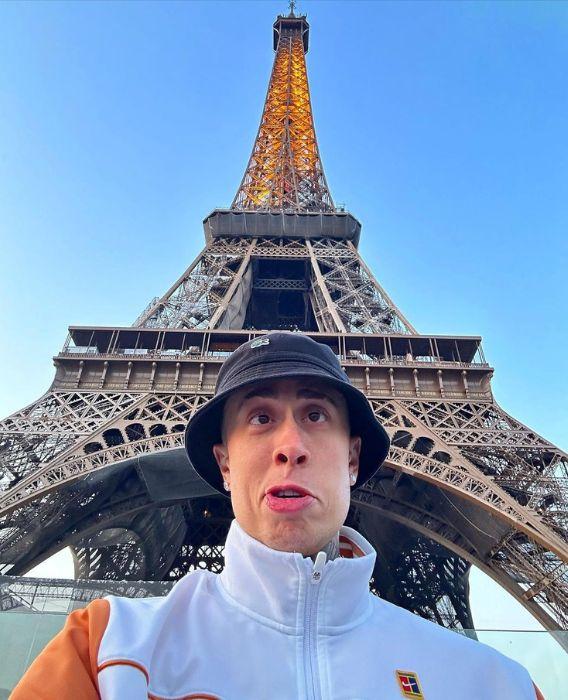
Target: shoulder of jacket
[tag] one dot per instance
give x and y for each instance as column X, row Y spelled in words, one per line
column 445, row 641
column 184, row 589
column 67, row 666
column 135, row 623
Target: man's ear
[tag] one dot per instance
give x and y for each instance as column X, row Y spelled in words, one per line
column 221, row 455
column 354, row 452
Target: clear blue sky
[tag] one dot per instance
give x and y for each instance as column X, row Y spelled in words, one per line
column 442, row 126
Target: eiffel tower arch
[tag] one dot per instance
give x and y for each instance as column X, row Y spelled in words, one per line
column 97, row 462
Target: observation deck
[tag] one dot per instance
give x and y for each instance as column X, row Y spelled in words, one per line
column 188, row 361
column 235, row 223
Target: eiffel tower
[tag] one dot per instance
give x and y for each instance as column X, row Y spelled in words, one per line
column 97, row 462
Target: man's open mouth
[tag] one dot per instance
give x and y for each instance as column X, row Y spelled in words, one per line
column 288, row 492
column 288, row 498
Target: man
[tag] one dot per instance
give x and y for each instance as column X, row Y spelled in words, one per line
column 291, row 616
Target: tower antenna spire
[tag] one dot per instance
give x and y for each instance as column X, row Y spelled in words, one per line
column 285, row 172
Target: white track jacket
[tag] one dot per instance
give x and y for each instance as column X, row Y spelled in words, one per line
column 272, row 626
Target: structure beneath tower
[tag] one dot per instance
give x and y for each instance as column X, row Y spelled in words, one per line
column 97, row 463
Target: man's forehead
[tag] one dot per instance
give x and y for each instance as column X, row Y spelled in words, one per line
column 299, row 387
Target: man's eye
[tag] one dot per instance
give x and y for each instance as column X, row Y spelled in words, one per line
column 316, row 416
column 260, row 419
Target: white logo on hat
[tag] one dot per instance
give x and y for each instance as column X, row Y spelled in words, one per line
column 260, row 341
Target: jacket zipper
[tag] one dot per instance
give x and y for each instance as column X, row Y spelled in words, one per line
column 310, row 634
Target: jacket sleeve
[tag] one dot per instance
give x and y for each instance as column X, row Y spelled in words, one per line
column 67, row 668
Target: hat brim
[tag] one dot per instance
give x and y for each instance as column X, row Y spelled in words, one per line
column 204, row 428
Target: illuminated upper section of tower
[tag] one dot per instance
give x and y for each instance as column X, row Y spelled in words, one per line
column 285, row 172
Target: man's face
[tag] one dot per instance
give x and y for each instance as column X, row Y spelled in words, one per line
column 287, row 456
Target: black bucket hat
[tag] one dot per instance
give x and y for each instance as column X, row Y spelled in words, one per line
column 278, row 355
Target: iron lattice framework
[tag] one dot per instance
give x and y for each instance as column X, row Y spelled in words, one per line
column 285, row 171
column 97, row 463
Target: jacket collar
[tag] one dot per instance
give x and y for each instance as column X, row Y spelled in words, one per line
column 275, row 585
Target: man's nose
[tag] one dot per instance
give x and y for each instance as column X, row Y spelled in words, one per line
column 290, row 448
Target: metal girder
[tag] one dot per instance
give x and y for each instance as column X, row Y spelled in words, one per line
column 363, row 305
column 405, row 324
column 195, row 298
column 237, row 279
column 326, row 312
column 46, row 595
column 298, row 285
column 39, row 433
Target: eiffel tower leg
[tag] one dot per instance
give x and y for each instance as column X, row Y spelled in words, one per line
column 448, row 501
column 123, row 428
column 200, row 296
column 346, row 291
column 415, row 572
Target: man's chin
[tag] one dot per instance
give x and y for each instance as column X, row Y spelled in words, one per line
column 293, row 535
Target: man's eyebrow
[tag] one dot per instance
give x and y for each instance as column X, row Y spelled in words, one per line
column 269, row 392
column 261, row 391
column 315, row 394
